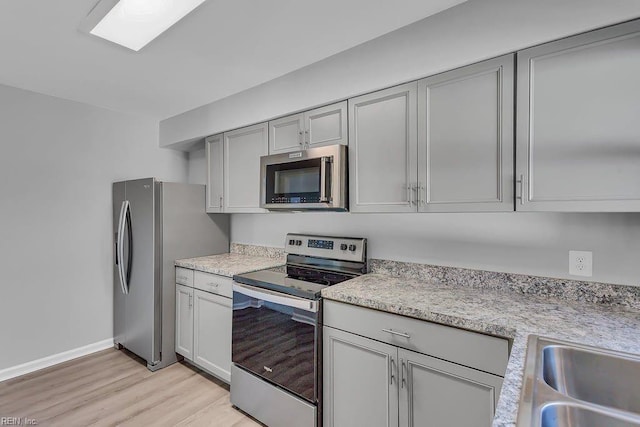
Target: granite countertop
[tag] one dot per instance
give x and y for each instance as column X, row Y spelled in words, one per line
column 229, row 264
column 503, row 313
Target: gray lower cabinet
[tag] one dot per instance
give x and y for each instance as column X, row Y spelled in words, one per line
column 436, row 393
column 212, row 333
column 203, row 321
column 381, row 369
column 578, row 133
column 360, row 388
column 465, row 138
column 184, row 321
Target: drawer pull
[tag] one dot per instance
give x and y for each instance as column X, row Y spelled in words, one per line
column 400, row 334
column 215, row 285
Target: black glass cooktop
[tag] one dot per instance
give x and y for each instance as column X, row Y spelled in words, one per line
column 292, row 283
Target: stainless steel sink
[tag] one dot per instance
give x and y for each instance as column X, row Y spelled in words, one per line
column 568, row 384
column 595, row 376
column 567, row 415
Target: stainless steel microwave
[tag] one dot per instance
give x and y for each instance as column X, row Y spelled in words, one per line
column 313, row 179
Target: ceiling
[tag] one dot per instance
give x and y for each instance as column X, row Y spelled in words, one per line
column 223, row 47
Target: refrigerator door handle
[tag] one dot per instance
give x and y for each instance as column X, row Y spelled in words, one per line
column 120, row 245
column 130, row 248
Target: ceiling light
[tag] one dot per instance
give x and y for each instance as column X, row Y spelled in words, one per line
column 134, row 23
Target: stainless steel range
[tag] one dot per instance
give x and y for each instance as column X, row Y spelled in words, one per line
column 276, row 375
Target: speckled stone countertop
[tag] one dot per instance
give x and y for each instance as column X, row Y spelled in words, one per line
column 498, row 312
column 229, row 264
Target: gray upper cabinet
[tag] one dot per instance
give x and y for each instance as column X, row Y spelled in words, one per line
column 465, row 138
column 286, row 134
column 439, row 393
column 215, row 175
column 242, row 151
column 322, row 126
column 578, row 127
column 382, row 150
column 326, row 125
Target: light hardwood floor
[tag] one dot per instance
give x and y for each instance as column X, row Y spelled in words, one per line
column 112, row 388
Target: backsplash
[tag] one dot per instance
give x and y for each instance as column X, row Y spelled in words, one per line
column 255, row 250
column 564, row 289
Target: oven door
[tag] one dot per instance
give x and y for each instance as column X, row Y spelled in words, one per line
column 311, row 179
column 275, row 336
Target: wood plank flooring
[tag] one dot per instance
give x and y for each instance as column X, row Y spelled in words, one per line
column 114, row 388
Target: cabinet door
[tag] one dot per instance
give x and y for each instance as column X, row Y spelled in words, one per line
column 360, row 381
column 465, row 138
column 326, row 125
column 286, row 134
column 578, row 133
column 212, row 333
column 242, row 151
column 215, row 175
column 434, row 392
column 383, row 167
column 184, row 321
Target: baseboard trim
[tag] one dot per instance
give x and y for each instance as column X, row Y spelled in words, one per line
column 54, row 359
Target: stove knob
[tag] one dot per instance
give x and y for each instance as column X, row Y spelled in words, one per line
column 292, row 242
column 352, row 248
column 298, row 242
column 343, row 247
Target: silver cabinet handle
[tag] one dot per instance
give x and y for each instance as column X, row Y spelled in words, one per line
column 215, row 285
column 392, row 369
column 402, row 368
column 400, row 334
column 410, row 195
column 307, row 139
column 419, row 192
column 190, row 301
column 300, row 138
column 220, row 202
column 521, row 182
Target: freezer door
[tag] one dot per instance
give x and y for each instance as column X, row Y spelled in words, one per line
column 119, row 321
column 142, row 313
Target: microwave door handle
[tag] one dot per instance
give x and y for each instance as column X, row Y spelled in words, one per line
column 276, row 297
column 323, row 179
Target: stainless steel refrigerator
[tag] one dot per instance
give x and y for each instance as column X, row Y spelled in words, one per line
column 154, row 224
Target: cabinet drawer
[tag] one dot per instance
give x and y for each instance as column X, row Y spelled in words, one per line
column 184, row 276
column 213, row 283
column 483, row 352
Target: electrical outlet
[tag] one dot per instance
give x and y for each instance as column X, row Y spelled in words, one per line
column 581, row 263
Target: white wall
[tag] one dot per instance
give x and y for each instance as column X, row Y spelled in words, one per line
column 58, row 160
column 527, row 243
column 467, row 33
column 197, row 167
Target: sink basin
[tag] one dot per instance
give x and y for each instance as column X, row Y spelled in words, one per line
column 593, row 376
column 573, row 385
column 566, row 415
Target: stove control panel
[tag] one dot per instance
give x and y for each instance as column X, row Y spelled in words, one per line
column 340, row 248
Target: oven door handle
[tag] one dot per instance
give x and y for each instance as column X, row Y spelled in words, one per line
column 276, row 297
